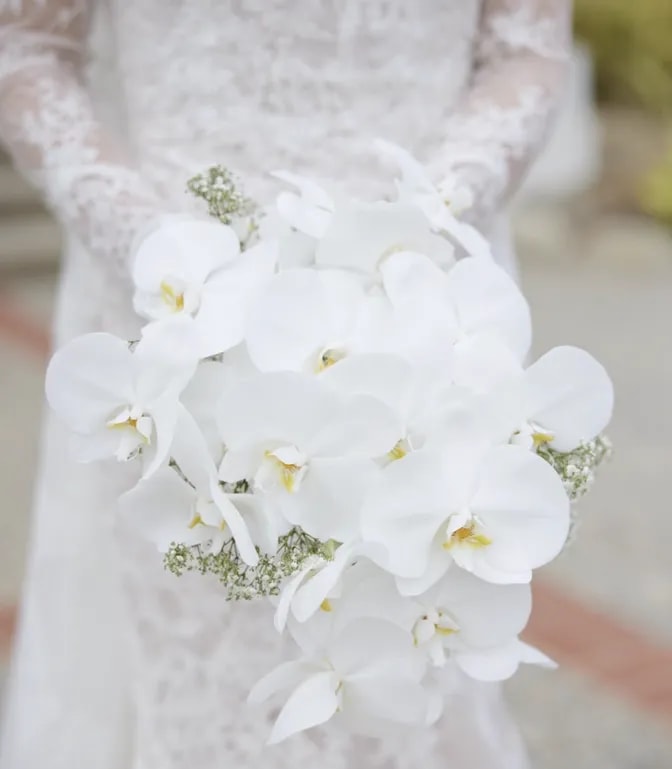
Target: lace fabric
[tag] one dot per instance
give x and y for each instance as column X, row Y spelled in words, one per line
column 469, row 86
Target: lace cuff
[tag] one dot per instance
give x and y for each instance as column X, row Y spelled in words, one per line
column 48, row 123
column 522, row 56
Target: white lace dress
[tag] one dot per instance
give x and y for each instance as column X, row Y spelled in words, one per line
column 119, row 665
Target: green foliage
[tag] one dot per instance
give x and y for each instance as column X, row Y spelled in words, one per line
column 657, row 191
column 630, row 43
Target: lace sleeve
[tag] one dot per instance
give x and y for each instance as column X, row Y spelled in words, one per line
column 523, row 50
column 48, row 123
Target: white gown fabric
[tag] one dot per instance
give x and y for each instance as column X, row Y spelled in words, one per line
column 119, row 665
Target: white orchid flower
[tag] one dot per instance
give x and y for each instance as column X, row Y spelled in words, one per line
column 361, row 236
column 369, row 672
column 474, row 318
column 194, row 268
column 563, row 399
column 308, row 211
column 460, row 615
column 121, row 402
column 442, row 206
column 189, row 507
column 304, row 320
column 418, row 397
column 496, row 512
column 305, row 449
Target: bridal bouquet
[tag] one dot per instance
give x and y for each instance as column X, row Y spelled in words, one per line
column 332, row 409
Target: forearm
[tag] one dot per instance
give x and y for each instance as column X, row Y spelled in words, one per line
column 523, row 51
column 50, row 127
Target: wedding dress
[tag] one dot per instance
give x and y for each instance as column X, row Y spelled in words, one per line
column 109, row 107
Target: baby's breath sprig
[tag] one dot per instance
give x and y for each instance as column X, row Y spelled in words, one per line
column 577, row 468
column 243, row 582
column 218, row 188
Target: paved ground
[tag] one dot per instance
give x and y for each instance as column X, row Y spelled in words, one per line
column 605, row 608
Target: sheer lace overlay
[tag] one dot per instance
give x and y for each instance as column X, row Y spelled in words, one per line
column 468, row 85
column 49, row 124
column 520, row 66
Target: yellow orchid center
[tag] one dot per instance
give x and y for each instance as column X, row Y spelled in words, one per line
column 399, row 451
column 436, row 622
column 467, row 535
column 290, row 471
column 130, row 422
column 195, row 521
column 135, row 431
column 329, row 358
column 326, row 605
column 541, row 438
column 172, row 297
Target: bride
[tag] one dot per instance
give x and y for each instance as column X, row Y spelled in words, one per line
column 109, row 107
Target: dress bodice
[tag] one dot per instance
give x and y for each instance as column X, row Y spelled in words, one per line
column 262, row 84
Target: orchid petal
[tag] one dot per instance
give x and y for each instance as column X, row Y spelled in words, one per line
column 88, row 378
column 388, row 378
column 189, row 249
column 297, row 316
column 159, row 509
column 304, row 215
column 288, row 592
column 370, row 646
column 312, row 703
column 487, row 614
column 363, row 428
column 360, row 235
column 411, row 279
column 399, row 701
column 404, row 511
column 287, row 675
column 524, row 509
column 234, row 520
column 329, row 500
column 570, row 394
column 283, row 406
column 487, row 299
column 495, row 664
column 312, row 593
column 222, row 316
column 164, row 413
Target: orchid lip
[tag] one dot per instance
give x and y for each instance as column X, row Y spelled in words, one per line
column 329, row 357
column 135, row 429
column 532, row 436
column 466, row 530
column 286, row 465
column 178, row 296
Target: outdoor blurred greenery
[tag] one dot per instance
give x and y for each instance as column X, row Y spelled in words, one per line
column 631, row 43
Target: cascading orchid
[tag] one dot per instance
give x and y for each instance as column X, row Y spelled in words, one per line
column 335, row 413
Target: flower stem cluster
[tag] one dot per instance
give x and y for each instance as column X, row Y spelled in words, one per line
column 218, row 188
column 243, row 582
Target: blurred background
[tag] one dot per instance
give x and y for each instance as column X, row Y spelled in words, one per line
column 594, row 231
